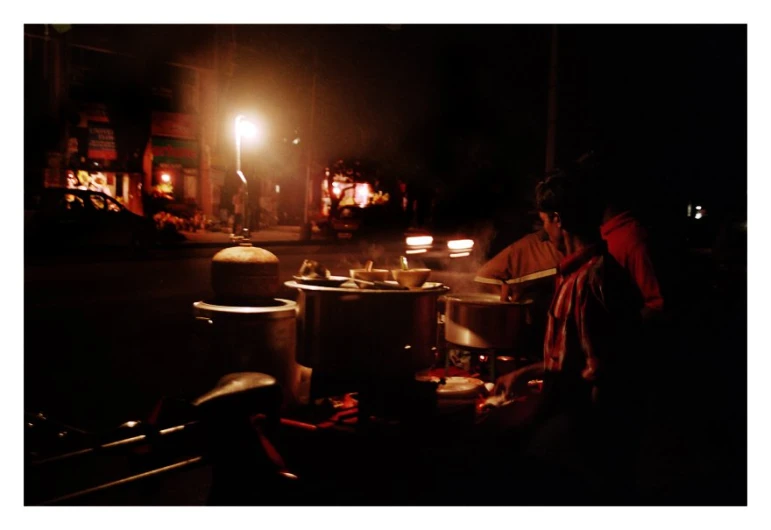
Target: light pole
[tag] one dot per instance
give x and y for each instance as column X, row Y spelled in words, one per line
column 305, row 229
column 245, row 229
column 244, row 129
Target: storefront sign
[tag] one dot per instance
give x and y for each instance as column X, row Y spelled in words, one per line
column 175, row 125
column 93, row 113
column 173, row 151
column 101, row 142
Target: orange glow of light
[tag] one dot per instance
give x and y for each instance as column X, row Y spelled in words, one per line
column 362, row 193
column 166, row 178
column 246, row 129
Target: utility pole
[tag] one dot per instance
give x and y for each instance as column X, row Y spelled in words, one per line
column 551, row 117
column 305, row 230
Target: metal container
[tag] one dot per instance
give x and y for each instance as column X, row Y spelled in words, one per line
column 254, row 339
column 483, row 321
column 354, row 335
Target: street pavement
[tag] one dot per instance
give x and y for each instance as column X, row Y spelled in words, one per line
column 274, row 235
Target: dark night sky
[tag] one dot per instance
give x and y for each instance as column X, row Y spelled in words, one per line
column 468, row 103
column 465, row 106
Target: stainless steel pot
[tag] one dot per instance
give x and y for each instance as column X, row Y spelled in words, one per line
column 366, row 334
column 254, row 339
column 483, row 321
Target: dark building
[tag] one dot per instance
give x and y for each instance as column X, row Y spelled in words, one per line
column 135, row 110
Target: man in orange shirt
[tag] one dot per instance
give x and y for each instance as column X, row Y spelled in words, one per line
column 627, row 242
column 529, row 254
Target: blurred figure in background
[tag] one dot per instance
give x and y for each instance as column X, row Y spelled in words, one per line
column 626, row 238
column 238, row 210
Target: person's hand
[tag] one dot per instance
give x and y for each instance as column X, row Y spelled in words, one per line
column 504, row 385
column 515, row 382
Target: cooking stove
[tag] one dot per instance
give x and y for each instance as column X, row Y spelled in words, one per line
column 381, row 404
column 403, row 446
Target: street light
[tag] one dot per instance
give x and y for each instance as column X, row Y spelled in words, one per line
column 245, row 129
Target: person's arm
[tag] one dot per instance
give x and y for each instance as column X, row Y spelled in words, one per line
column 527, row 255
column 597, row 331
column 498, row 268
column 641, row 269
column 491, row 275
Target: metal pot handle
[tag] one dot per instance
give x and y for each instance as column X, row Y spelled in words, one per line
column 204, row 327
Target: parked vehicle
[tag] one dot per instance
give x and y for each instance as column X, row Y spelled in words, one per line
column 64, row 218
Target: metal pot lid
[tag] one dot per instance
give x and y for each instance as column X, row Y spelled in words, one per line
column 277, row 307
column 435, row 289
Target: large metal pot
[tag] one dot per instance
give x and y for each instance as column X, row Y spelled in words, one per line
column 483, row 321
column 254, row 339
column 354, row 335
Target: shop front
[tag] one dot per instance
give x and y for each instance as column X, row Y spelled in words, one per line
column 176, row 156
column 175, row 169
column 91, row 161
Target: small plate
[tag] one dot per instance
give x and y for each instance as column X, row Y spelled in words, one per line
column 332, row 281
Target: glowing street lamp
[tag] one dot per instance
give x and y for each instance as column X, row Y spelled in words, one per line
column 245, row 129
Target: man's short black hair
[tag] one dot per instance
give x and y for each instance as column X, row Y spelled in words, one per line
column 574, row 199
